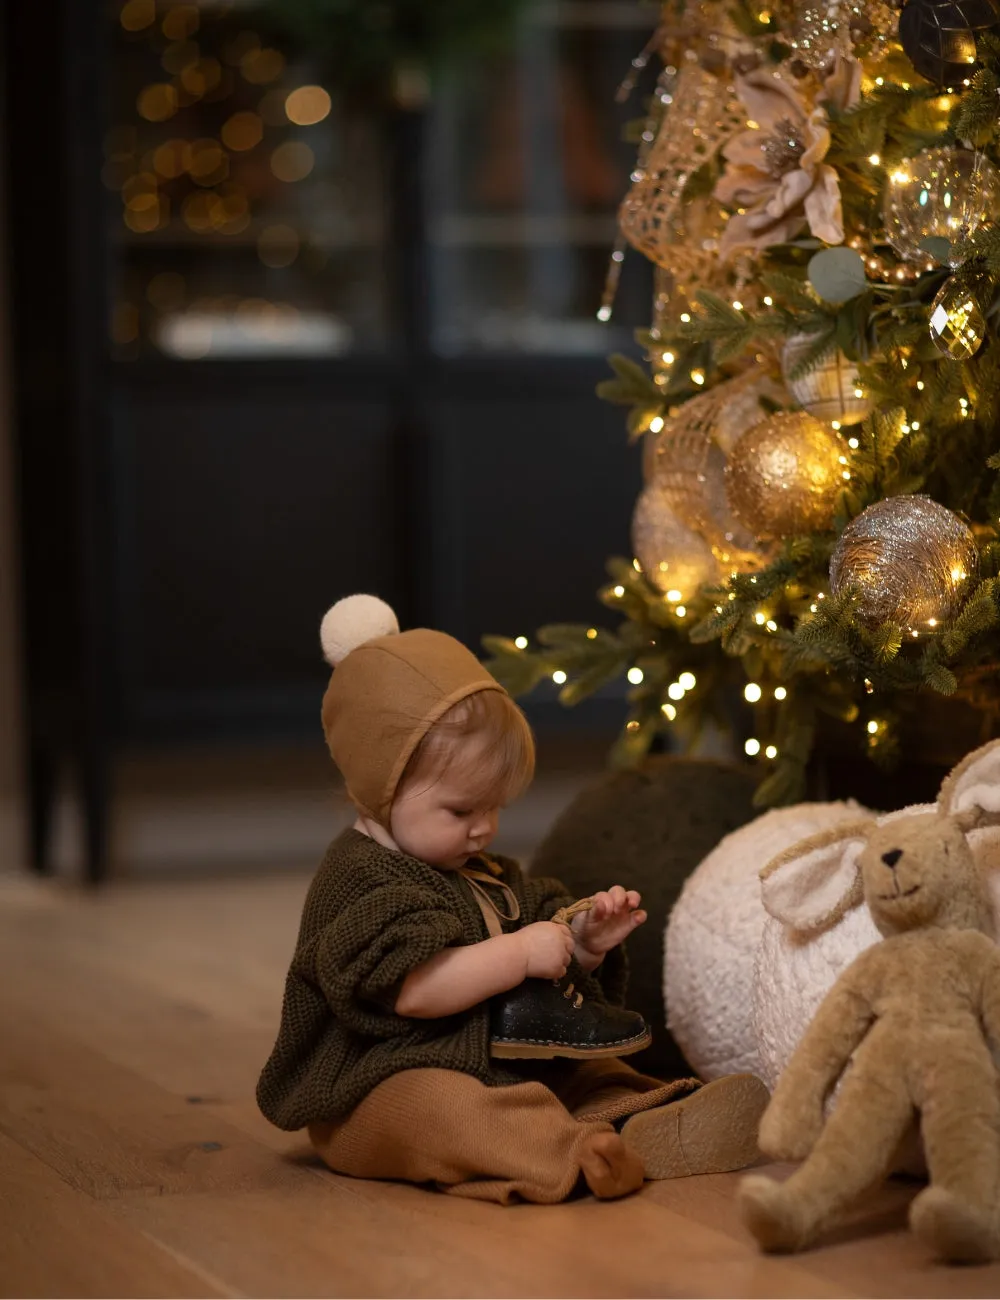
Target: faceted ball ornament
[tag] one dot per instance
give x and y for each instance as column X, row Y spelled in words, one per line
column 941, row 194
column 910, row 561
column 673, row 556
column 939, row 38
column 784, row 475
column 830, row 390
column 957, row 323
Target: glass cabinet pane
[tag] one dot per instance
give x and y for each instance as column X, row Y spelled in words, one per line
column 246, row 204
column 527, row 166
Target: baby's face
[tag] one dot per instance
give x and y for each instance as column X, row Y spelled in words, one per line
column 437, row 821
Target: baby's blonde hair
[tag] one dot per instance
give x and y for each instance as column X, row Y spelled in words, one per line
column 505, row 763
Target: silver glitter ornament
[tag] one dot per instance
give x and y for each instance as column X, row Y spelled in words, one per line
column 673, row 556
column 937, row 199
column 909, row 560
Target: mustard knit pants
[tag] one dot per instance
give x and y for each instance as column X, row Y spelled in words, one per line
column 529, row 1140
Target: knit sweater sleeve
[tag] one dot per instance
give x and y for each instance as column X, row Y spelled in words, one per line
column 361, row 959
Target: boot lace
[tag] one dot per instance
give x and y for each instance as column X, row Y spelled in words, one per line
column 570, row 993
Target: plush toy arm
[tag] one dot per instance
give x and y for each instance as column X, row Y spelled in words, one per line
column 794, row 1119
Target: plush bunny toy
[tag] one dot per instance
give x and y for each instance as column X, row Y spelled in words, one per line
column 914, row 1016
column 745, row 970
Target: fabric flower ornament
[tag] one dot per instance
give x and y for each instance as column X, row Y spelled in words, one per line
column 775, row 172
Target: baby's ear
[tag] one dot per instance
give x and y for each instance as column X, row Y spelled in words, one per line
column 971, row 791
column 812, row 884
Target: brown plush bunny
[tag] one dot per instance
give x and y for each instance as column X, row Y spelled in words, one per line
column 907, row 1029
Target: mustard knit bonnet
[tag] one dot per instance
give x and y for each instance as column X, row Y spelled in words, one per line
column 387, row 690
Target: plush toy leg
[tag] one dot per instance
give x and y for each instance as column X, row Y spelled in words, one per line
column 957, row 1214
column 853, row 1152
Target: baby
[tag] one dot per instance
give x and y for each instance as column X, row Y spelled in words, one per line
column 425, row 990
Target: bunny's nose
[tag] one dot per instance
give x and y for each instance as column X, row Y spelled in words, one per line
column 892, row 857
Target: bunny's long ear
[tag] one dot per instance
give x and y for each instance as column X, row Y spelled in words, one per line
column 971, row 791
column 813, row 883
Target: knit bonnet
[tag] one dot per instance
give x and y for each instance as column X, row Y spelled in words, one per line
column 387, row 689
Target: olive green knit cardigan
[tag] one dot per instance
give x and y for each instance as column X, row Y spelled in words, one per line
column 370, row 917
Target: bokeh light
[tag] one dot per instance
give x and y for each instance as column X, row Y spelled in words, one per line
column 201, row 77
column 181, row 22
column 242, row 131
column 307, row 105
column 292, row 161
column 137, row 15
column 208, row 163
column 180, row 55
column 262, row 65
column 157, row 102
column 171, row 159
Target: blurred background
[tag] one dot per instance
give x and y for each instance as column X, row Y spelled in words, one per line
column 300, row 298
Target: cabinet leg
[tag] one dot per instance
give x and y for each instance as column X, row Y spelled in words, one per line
column 42, row 771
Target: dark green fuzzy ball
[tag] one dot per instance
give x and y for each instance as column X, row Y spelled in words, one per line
column 647, row 830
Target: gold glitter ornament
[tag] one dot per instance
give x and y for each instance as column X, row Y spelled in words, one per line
column 784, row 475
column 909, row 559
column 831, row 389
column 957, row 323
column 673, row 556
column 937, row 199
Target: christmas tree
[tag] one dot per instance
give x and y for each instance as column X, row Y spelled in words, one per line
column 817, row 187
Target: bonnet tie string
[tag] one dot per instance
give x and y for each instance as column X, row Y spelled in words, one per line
column 480, row 881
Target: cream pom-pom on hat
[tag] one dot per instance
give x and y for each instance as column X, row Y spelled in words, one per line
column 387, row 690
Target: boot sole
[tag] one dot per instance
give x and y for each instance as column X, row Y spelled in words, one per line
column 712, row 1131
column 511, row 1047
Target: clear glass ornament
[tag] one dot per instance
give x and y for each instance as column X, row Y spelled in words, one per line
column 939, row 195
column 957, row 323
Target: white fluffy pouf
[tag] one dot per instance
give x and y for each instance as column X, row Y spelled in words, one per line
column 714, row 934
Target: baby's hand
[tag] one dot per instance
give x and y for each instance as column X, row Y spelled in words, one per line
column 613, row 915
column 548, row 949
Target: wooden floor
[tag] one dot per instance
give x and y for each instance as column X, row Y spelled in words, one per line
column 133, row 1161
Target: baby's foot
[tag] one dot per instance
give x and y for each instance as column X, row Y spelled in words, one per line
column 609, row 1167
column 710, row 1131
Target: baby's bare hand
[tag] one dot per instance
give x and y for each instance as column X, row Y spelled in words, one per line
column 613, row 915
column 548, row 948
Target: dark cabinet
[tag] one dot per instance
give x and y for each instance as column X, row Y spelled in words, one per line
column 270, row 348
